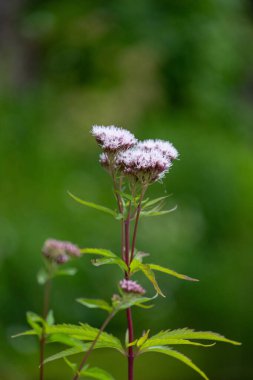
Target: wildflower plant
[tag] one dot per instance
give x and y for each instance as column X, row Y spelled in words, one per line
column 133, row 166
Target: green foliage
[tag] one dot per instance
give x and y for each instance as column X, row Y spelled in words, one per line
column 132, row 299
column 46, row 274
column 147, row 269
column 177, row 355
column 94, row 205
column 110, row 257
column 98, row 251
column 154, row 207
column 142, row 339
column 95, row 303
column 68, row 352
column 186, row 333
column 110, row 261
column 91, row 372
column 159, row 343
column 96, row 373
column 171, row 272
column 85, row 332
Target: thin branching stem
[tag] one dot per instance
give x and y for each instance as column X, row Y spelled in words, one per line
column 87, row 354
column 136, row 223
column 128, row 311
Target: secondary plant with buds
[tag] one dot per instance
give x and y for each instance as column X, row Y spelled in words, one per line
column 133, row 166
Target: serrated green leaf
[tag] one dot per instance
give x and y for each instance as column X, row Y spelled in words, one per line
column 98, row 251
column 191, row 334
column 86, row 332
column 82, row 347
column 95, row 303
column 65, row 353
column 64, row 339
column 171, row 272
column 42, row 276
column 110, row 261
column 65, row 272
column 171, row 341
column 96, row 373
column 143, row 339
column 177, row 355
column 94, row 205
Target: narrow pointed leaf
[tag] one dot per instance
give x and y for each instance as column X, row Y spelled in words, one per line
column 95, row 304
column 35, row 321
column 66, row 353
column 145, row 268
column 72, row 366
column 171, row 341
column 143, row 339
column 93, row 205
column 25, row 333
column 177, row 355
column 157, row 213
column 98, row 251
column 152, row 202
column 191, row 334
column 171, row 272
column 110, row 261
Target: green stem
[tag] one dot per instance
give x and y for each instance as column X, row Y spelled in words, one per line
column 47, row 289
column 136, row 223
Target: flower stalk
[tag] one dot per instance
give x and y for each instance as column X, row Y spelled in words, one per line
column 92, row 346
column 47, row 288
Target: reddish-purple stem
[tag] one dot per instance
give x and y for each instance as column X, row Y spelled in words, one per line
column 128, row 311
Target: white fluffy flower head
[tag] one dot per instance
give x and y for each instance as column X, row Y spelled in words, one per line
column 145, row 165
column 164, row 147
column 112, row 139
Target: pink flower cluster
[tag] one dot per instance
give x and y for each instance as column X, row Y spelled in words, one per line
column 145, row 166
column 146, row 161
column 130, row 286
column 164, row 147
column 113, row 139
column 59, row 251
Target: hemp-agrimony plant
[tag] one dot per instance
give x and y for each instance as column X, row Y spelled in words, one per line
column 133, row 166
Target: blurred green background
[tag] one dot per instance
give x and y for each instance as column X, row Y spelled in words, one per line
column 177, row 70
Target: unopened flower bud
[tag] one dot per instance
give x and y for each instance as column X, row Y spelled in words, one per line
column 129, row 286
